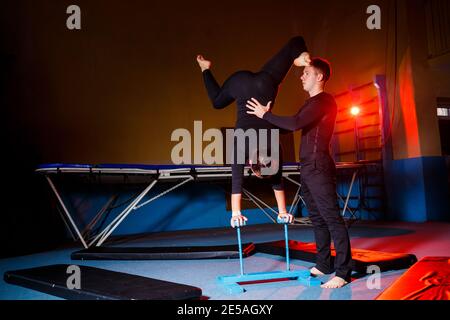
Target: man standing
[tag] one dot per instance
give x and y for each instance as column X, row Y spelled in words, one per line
column 317, row 118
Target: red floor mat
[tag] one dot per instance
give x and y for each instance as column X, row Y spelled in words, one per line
column 361, row 258
column 428, row 279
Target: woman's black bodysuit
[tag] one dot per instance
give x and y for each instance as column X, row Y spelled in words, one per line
column 263, row 85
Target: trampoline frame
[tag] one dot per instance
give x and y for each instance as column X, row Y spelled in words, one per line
column 184, row 173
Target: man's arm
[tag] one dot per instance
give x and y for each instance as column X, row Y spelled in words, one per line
column 283, row 122
column 304, row 117
column 307, row 115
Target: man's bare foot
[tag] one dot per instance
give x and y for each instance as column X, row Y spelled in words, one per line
column 334, row 283
column 316, row 272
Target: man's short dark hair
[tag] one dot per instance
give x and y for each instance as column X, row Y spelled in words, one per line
column 322, row 66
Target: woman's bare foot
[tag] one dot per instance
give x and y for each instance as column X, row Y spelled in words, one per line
column 334, row 283
column 303, row 60
column 203, row 63
column 316, row 272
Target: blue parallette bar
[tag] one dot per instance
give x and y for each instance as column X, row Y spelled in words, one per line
column 287, row 247
column 238, row 230
column 232, row 283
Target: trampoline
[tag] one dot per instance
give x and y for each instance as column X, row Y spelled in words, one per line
column 180, row 175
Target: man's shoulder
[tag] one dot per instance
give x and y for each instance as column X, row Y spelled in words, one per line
column 326, row 98
column 327, row 95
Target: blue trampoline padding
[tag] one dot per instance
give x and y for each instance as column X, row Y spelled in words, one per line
column 150, row 166
column 64, row 165
column 122, row 166
column 134, row 166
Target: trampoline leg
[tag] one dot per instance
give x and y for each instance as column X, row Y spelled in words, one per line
column 238, row 231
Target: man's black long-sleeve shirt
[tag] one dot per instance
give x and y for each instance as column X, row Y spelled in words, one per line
column 316, row 118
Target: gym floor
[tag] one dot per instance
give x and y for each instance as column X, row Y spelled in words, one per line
column 420, row 239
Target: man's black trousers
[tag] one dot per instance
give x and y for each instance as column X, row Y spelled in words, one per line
column 318, row 187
